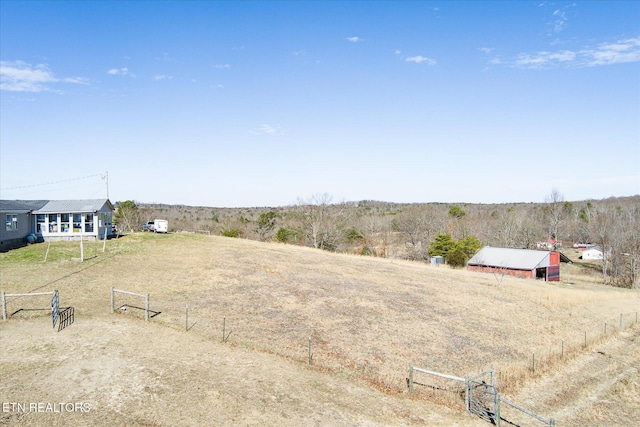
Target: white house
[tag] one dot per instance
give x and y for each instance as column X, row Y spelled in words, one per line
column 71, row 219
column 592, row 253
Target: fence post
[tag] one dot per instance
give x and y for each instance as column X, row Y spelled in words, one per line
column 466, row 392
column 552, row 422
column 146, row 308
column 224, row 326
column 310, row 355
column 562, row 349
column 621, row 321
column 585, row 339
column 497, row 420
column 533, row 362
column 186, row 317
column 112, row 300
column 605, row 328
column 411, row 378
column 493, row 376
column 4, row 307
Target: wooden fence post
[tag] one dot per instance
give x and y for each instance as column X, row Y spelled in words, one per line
column 562, row 355
column 533, row 362
column 621, row 321
column 497, row 420
column 146, row 308
column 4, row 307
column 112, row 300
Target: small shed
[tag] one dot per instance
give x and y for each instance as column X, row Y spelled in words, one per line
column 524, row 263
column 436, row 260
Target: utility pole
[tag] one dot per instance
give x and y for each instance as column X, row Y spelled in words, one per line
column 106, row 177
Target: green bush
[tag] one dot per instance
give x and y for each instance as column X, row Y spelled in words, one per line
column 230, row 232
column 457, row 257
column 284, row 235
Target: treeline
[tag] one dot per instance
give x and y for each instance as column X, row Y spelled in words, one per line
column 418, row 231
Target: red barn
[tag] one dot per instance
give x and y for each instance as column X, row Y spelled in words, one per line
column 525, row 263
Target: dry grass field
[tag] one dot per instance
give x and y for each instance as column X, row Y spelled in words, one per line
column 364, row 319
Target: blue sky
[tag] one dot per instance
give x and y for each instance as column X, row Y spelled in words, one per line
column 236, row 104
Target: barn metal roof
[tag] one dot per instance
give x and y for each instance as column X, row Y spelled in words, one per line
column 55, row 206
column 516, row 259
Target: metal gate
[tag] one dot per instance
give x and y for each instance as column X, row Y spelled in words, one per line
column 483, row 401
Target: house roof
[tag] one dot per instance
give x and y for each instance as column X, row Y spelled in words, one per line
column 21, row 206
column 517, row 259
column 55, row 206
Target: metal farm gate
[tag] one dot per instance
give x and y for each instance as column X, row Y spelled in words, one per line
column 482, row 398
column 483, row 401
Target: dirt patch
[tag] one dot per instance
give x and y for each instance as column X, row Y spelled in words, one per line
column 130, row 372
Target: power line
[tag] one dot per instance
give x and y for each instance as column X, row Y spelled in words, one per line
column 53, row 182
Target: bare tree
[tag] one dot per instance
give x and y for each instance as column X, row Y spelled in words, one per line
column 322, row 222
column 555, row 210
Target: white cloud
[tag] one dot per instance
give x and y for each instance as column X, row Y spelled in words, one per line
column 266, row 129
column 560, row 20
column 420, row 59
column 542, row 59
column 18, row 76
column 622, row 51
column 120, row 72
column 486, row 50
column 222, row 66
column 355, row 39
column 159, row 77
column 614, row 53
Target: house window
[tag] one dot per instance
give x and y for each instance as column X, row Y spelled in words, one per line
column 64, row 223
column 12, row 222
column 77, row 223
column 40, row 220
column 53, row 223
column 88, row 223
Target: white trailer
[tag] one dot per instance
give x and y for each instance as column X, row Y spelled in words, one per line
column 161, row 226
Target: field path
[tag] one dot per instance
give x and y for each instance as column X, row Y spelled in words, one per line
column 599, row 387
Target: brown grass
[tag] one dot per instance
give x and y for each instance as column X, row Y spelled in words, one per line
column 367, row 318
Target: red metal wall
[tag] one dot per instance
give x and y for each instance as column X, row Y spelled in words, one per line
column 525, row 274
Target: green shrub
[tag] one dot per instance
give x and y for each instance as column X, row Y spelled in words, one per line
column 284, row 235
column 230, row 232
column 457, row 257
